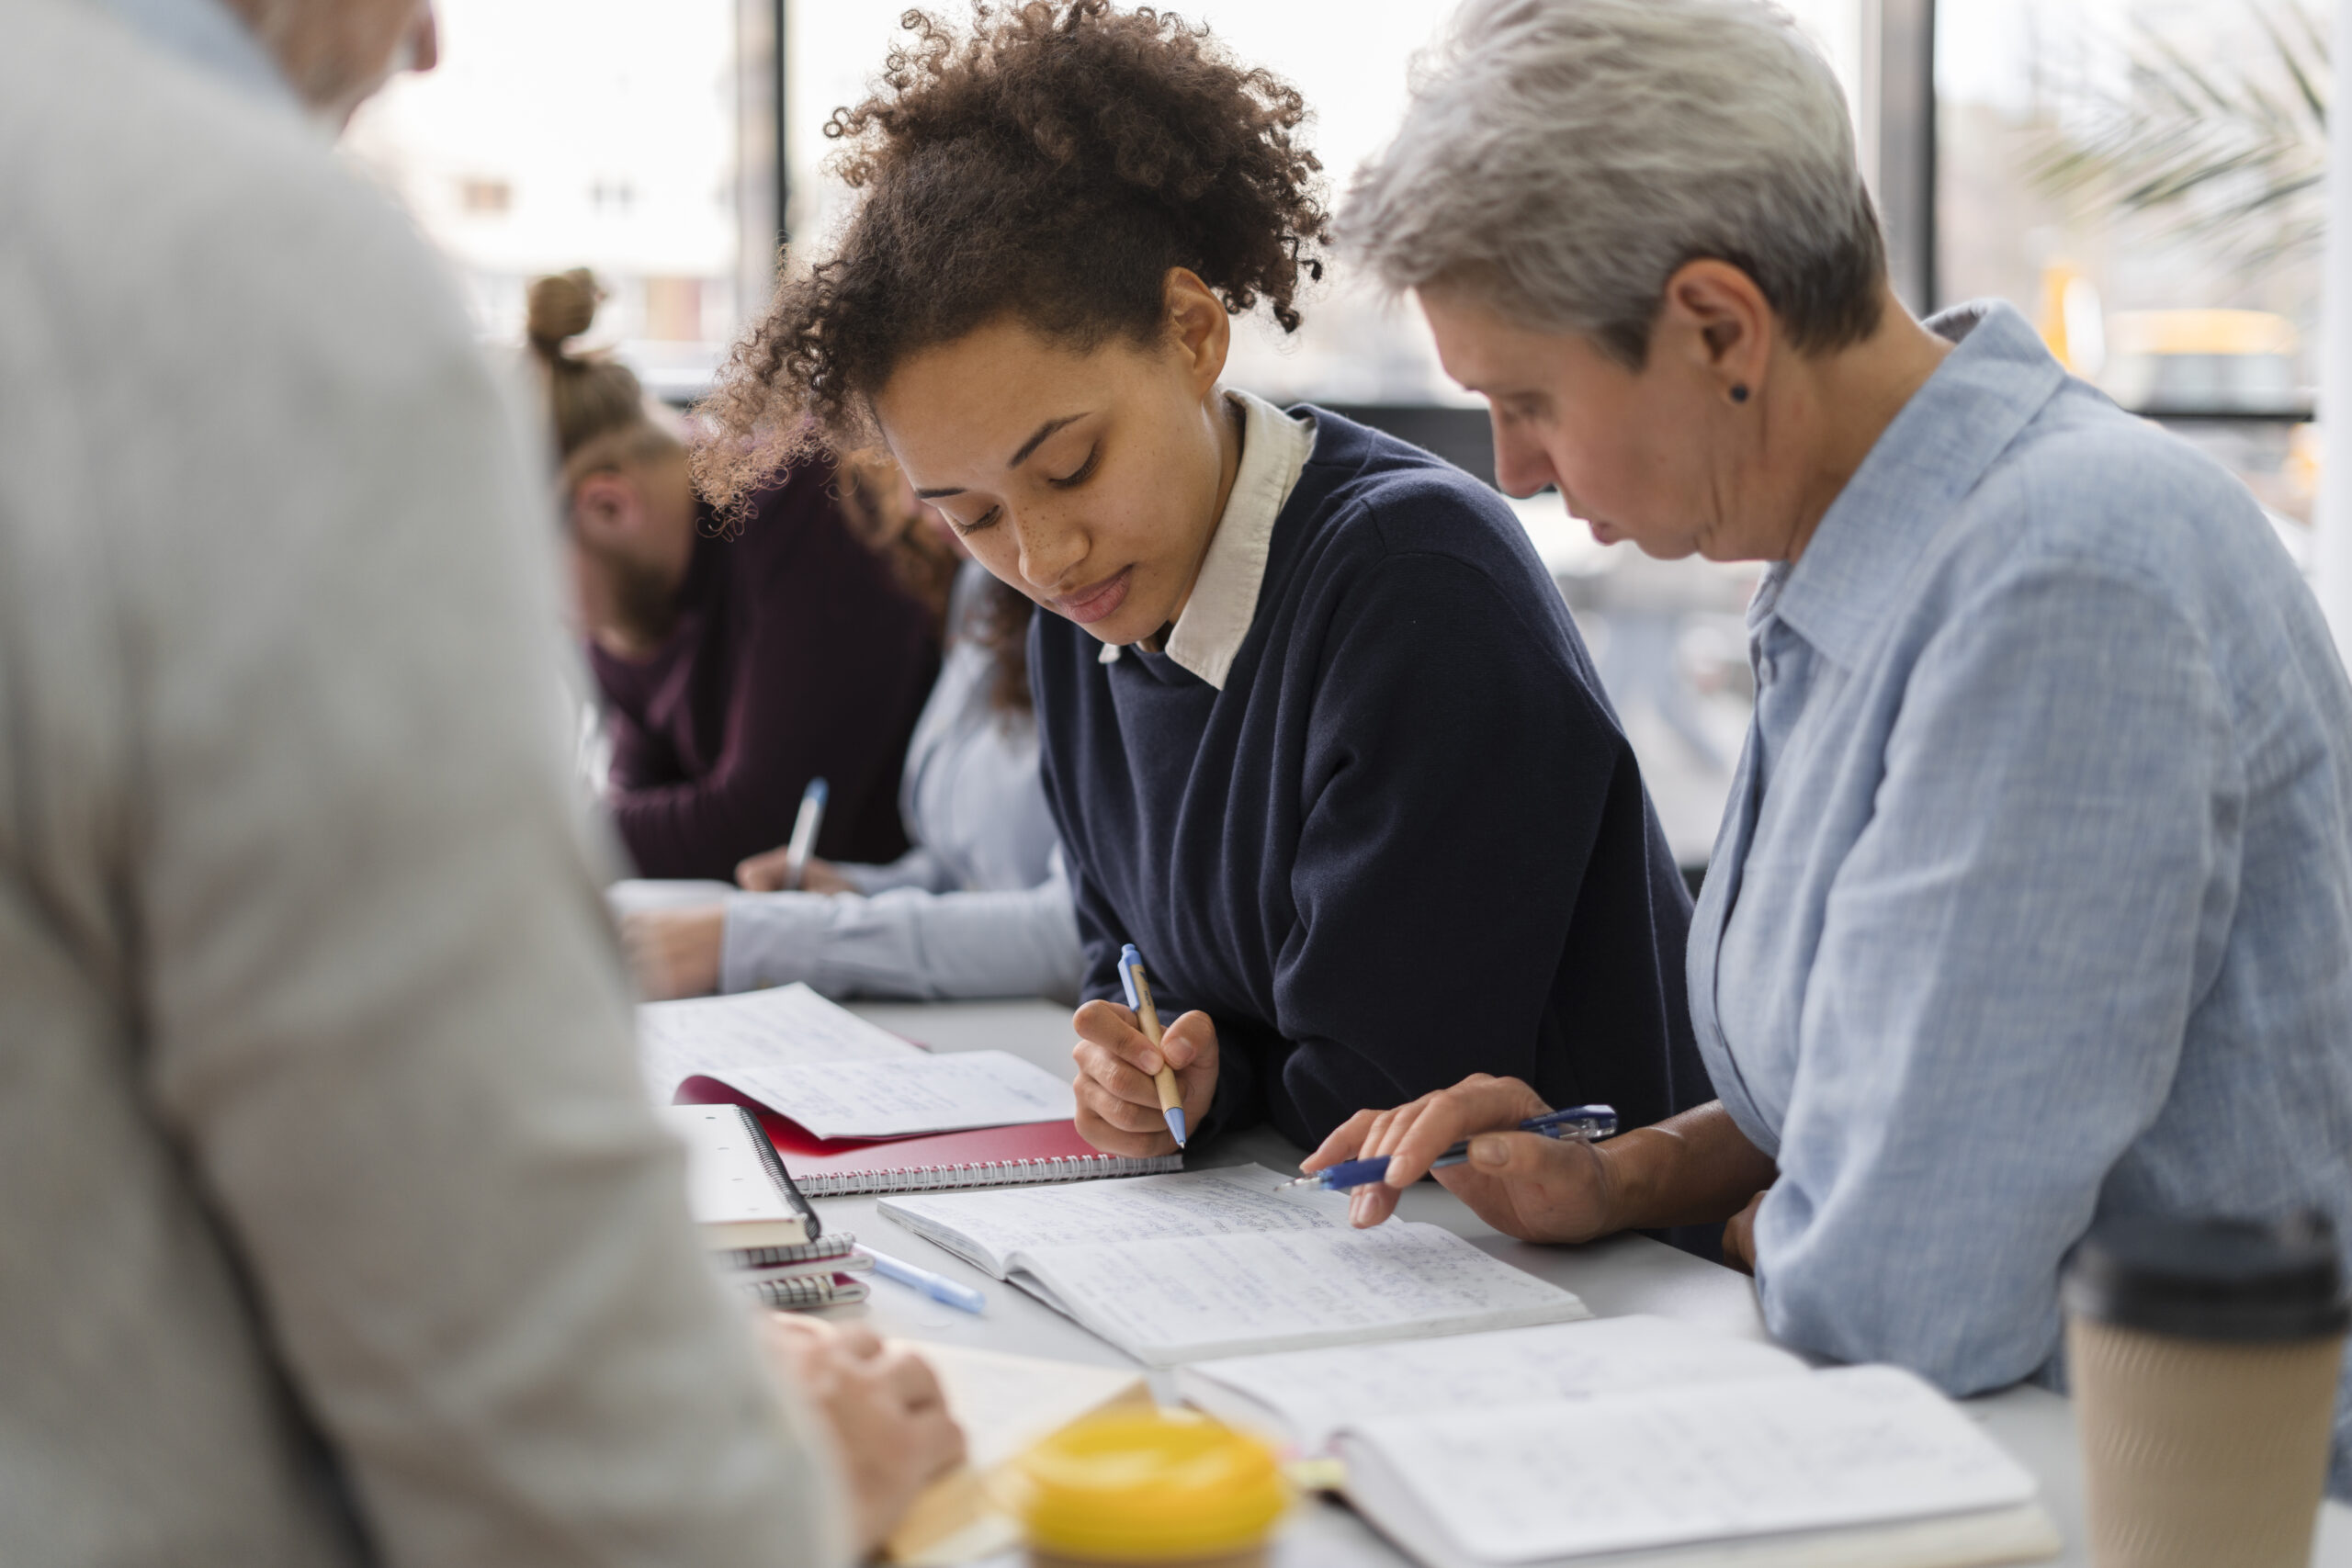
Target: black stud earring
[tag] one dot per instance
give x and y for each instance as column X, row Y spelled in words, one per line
column 1739, row 392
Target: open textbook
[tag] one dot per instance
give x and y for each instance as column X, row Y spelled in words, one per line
column 1308, row 1397
column 1855, row 1465
column 832, row 1073
column 1180, row 1268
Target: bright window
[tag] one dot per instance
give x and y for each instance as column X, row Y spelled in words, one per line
column 599, row 133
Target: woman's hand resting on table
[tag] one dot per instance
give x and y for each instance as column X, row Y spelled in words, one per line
column 1694, row 1168
column 1534, row 1188
column 1118, row 1102
column 889, row 1420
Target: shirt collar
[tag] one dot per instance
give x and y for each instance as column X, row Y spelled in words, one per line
column 1224, row 601
column 209, row 36
column 1876, row 532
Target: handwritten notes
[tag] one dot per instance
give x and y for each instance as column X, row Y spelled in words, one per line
column 1183, row 1298
column 747, row 1040
column 1854, row 1446
column 988, row 1228
column 1310, row 1396
column 918, row 1094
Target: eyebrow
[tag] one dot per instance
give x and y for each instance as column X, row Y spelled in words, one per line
column 1036, row 439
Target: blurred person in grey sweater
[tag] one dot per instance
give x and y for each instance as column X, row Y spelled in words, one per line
column 335, row 1225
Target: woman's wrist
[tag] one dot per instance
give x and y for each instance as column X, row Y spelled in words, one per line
column 1694, row 1168
column 1630, row 1176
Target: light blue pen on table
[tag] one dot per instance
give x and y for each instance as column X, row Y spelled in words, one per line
column 1581, row 1124
column 938, row 1287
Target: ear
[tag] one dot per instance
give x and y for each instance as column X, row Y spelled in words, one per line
column 606, row 509
column 1715, row 321
column 1199, row 327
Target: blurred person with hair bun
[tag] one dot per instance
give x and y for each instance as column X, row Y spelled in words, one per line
column 1318, row 735
column 735, row 663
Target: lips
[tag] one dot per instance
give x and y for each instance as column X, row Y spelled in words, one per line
column 1091, row 604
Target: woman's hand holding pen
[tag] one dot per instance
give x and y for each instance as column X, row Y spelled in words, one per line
column 1695, row 1167
column 1118, row 1104
column 1523, row 1184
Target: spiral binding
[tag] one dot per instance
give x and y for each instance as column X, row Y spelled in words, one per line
column 838, row 1244
column 793, row 1292
column 990, row 1173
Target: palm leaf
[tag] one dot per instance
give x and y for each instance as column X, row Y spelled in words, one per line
column 2230, row 159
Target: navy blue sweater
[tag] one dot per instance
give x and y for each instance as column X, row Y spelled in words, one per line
column 1406, row 842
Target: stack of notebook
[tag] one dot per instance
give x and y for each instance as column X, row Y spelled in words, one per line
column 760, row 1230
column 854, row 1109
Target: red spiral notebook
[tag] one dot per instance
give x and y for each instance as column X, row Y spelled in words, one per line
column 990, row 1156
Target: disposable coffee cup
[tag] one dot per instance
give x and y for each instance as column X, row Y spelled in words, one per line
column 2204, row 1356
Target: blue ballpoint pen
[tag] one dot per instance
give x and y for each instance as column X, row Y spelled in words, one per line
column 1583, row 1124
column 938, row 1287
column 1171, row 1100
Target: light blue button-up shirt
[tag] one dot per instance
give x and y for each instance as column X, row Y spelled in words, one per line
column 2033, row 901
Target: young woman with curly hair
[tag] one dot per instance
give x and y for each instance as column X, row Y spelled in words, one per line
column 1318, row 734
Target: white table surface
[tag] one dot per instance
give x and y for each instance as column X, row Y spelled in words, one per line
column 1623, row 1274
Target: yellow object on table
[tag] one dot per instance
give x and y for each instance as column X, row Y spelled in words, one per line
column 1158, row 1487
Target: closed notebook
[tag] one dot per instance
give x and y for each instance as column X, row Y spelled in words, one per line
column 1184, row 1268
column 1855, row 1465
column 740, row 1193
column 991, row 1157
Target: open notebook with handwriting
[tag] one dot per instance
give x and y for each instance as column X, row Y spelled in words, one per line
column 1175, row 1269
column 1638, row 1440
column 851, row 1107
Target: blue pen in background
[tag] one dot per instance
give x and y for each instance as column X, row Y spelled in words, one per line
column 1581, row 1124
column 1171, row 1101
column 805, row 825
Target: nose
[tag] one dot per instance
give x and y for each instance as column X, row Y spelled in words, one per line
column 1051, row 548
column 1522, row 465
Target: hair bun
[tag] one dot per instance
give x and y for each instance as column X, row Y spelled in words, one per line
column 562, row 307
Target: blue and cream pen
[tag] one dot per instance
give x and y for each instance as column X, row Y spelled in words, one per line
column 938, row 1287
column 1581, row 1124
column 1171, row 1101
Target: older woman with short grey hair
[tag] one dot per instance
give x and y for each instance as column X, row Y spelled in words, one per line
column 2032, row 903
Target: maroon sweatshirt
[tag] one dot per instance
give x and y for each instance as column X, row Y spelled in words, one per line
column 796, row 656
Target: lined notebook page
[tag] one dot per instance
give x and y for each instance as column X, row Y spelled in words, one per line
column 1185, row 1298
column 744, row 1039
column 919, row 1093
column 987, row 1228
column 1535, row 1484
column 1310, row 1394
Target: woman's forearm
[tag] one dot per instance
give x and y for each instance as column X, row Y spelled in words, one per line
column 1695, row 1168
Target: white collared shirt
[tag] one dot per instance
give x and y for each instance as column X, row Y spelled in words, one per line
column 1224, row 601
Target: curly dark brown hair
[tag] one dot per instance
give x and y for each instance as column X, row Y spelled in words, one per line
column 1055, row 164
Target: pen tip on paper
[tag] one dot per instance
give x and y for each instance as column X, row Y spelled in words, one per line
column 1175, row 1114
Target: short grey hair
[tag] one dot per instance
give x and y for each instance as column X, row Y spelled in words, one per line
column 1562, row 159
